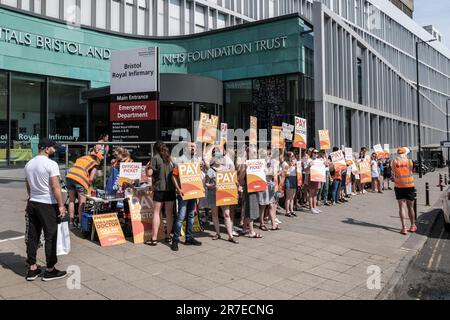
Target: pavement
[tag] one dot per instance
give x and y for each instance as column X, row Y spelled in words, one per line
column 329, row 256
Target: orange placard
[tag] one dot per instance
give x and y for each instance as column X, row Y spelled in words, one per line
column 141, row 211
column 256, row 175
column 300, row 133
column 387, row 152
column 324, row 138
column 223, row 135
column 277, row 140
column 379, row 151
column 207, row 129
column 364, row 172
column 253, row 131
column 299, row 174
column 338, row 159
column 191, row 181
column 317, row 171
column 108, row 229
column 226, row 188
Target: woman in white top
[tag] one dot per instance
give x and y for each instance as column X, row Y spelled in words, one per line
column 290, row 168
column 375, row 172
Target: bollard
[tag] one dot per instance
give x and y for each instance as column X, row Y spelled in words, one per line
column 427, row 194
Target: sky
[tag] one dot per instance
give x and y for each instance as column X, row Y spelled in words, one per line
column 435, row 12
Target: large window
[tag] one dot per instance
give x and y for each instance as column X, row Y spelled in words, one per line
column 3, row 117
column 115, row 15
column 100, row 17
column 199, row 19
column 160, row 18
column 129, row 16
column 142, row 9
column 52, row 9
column 174, row 17
column 175, row 115
column 86, row 12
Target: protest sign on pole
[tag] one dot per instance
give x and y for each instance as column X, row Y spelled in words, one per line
column 299, row 174
column 253, row 131
column 348, row 154
column 277, row 140
column 287, row 132
column 300, row 133
column 365, row 172
column 324, row 138
column 387, row 151
column 379, row 151
column 223, row 135
column 317, row 171
column 191, row 181
column 226, row 188
column 108, row 229
column 207, row 129
column 256, row 175
column 338, row 159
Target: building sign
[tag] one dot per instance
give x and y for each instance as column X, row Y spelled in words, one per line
column 226, row 51
column 52, row 44
column 134, row 70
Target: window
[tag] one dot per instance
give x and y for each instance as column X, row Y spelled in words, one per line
column 174, row 17
column 86, row 12
column 211, row 19
column 187, row 18
column 52, row 9
column 271, row 8
column 37, row 6
column 221, row 20
column 12, row 3
column 115, row 15
column 128, row 16
column 26, row 4
column 142, row 9
column 160, row 17
column 199, row 19
column 175, row 115
column 71, row 12
column 101, row 13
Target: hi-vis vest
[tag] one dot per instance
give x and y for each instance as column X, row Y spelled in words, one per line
column 80, row 171
column 403, row 173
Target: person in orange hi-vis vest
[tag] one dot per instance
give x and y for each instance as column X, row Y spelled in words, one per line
column 79, row 179
column 405, row 192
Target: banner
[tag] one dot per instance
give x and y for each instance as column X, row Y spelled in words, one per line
column 108, row 229
column 256, row 175
column 348, row 154
column 317, row 171
column 223, row 135
column 338, row 159
column 324, row 138
column 207, row 129
column 287, row 131
column 191, row 181
column 253, row 131
column 141, row 211
column 300, row 133
column 387, row 151
column 299, row 174
column 365, row 172
column 379, row 151
column 277, row 140
column 130, row 170
column 226, row 188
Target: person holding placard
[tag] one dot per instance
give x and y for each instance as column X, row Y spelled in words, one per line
column 290, row 167
column 324, row 190
column 317, row 166
column 160, row 169
column 216, row 166
column 185, row 207
column 387, row 174
column 375, row 172
column 362, row 157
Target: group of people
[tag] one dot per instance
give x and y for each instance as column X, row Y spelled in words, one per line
column 285, row 188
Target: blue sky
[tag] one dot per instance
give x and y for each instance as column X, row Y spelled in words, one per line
column 435, row 12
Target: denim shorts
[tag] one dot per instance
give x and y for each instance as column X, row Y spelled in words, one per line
column 291, row 182
column 72, row 185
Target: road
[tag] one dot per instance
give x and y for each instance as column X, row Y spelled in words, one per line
column 429, row 276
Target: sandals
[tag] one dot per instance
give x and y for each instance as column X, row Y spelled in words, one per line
column 413, row 229
column 294, row 214
column 275, row 229
column 151, row 243
column 254, row 236
column 404, row 231
column 168, row 239
column 233, row 240
column 288, row 215
column 217, row 237
column 263, row 227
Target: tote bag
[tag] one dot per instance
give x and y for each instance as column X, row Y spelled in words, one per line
column 63, row 241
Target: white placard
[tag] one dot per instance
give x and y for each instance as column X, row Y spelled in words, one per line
column 131, row 170
column 134, row 71
column 348, row 154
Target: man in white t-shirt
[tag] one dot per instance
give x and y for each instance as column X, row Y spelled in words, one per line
column 44, row 208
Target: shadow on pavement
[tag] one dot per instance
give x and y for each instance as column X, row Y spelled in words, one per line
column 371, row 225
column 14, row 262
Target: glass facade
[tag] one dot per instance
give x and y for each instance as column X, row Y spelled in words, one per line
column 39, row 106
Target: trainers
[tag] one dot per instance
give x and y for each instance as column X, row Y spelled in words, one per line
column 33, row 274
column 277, row 221
column 315, row 211
column 53, row 275
column 174, row 246
column 193, row 242
column 318, row 210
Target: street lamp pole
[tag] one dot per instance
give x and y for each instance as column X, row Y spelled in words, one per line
column 419, row 157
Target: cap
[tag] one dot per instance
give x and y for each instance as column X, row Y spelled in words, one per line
column 47, row 143
column 403, row 150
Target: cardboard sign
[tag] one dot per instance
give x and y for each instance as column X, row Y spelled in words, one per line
column 141, row 211
column 300, row 133
column 207, row 129
column 223, row 135
column 287, row 131
column 348, row 154
column 108, row 229
column 299, row 174
column 317, row 171
column 256, row 175
column 379, row 151
column 191, row 181
column 338, row 159
column 387, row 151
column 277, row 140
column 253, row 131
column 226, row 188
column 324, row 138
column 355, row 169
column 365, row 172
column 130, row 170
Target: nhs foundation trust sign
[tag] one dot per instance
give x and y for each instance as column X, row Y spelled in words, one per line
column 135, row 71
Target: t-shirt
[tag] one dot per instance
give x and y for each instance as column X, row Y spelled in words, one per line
column 38, row 172
column 375, row 173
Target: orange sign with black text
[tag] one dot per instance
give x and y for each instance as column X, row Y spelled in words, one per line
column 191, row 181
column 226, row 188
column 108, row 229
column 324, row 138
